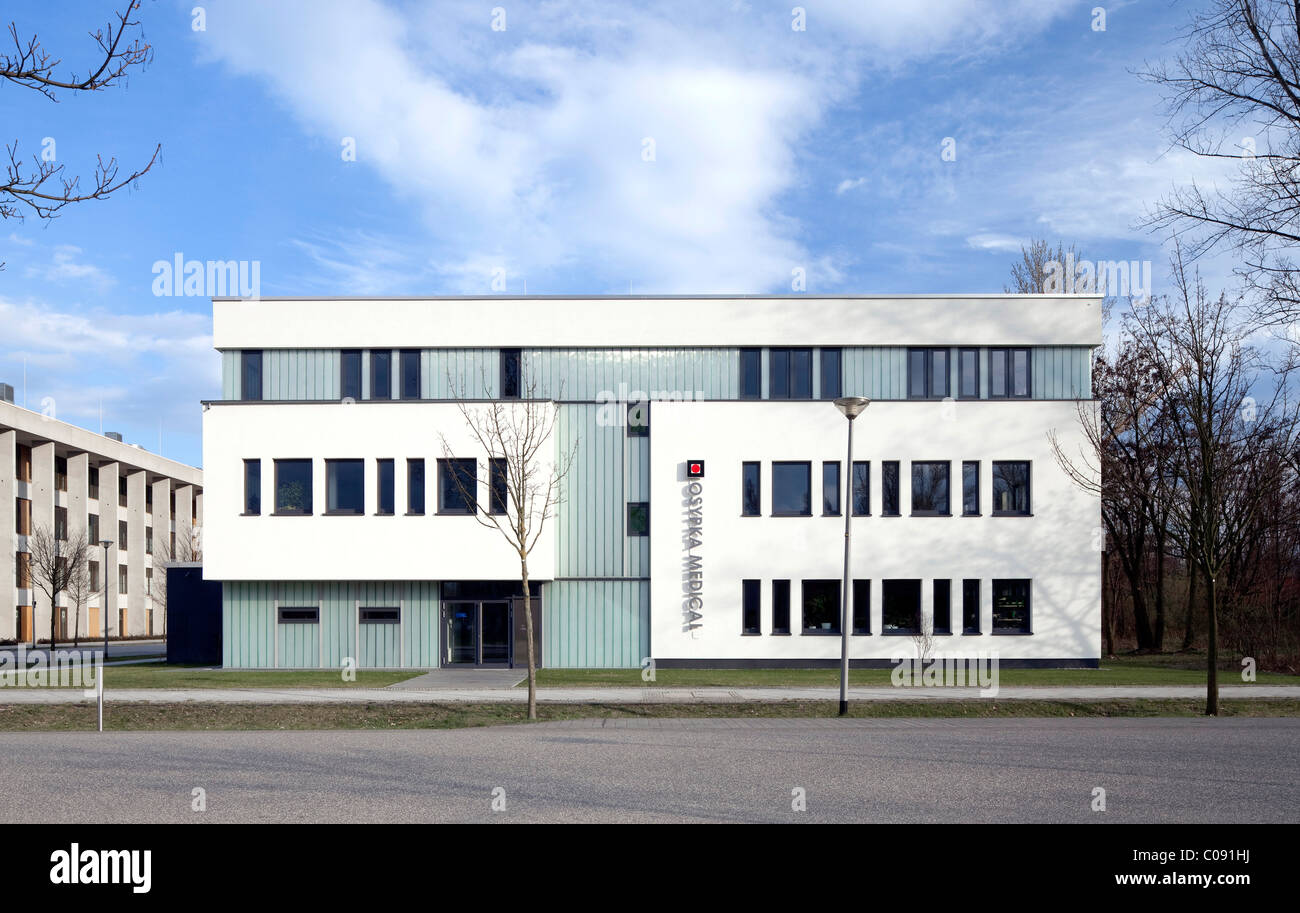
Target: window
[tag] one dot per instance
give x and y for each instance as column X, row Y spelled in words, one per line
column 1011, row 607
column 751, row 373
column 172, row 505
column 24, row 463
column 252, row 487
column 345, row 487
column 61, row 524
column 250, row 375
column 832, row 375
column 790, row 374
column 350, row 374
column 381, row 374
column 929, row 489
column 1009, row 373
column 23, row 515
column 942, row 607
column 792, row 489
column 384, row 487
column 148, row 581
column 638, row 419
column 498, row 488
column 61, row 473
column 94, row 575
column 751, row 495
column 122, row 531
column 415, row 486
column 385, row 616
column 861, row 488
column 92, row 530
column 970, row 606
column 861, row 606
column 780, row 606
column 511, row 373
column 410, row 374
column 171, row 541
column 148, row 540
column 121, row 491
column 148, row 498
column 821, row 607
column 750, row 613
column 968, row 373
column 927, row 373
column 299, row 615
column 24, row 570
column 293, row 487
column 121, row 580
column 638, row 518
column 889, row 488
column 900, row 606
column 830, row 489
column 1010, row 488
column 93, row 483
column 457, row 486
column 970, row 488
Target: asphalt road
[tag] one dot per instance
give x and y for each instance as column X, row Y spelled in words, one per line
column 1016, row 770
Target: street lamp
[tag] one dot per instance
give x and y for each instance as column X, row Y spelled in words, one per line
column 103, row 602
column 852, row 407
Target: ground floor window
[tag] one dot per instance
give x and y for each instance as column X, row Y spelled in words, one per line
column 970, row 606
column 1011, row 607
column 301, row 615
column 780, row 606
column 821, row 607
column 900, row 606
column 943, row 607
column 750, row 611
column 862, row 607
column 385, row 616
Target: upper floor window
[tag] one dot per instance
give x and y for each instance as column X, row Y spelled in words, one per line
column 122, row 530
column 92, row 483
column 498, row 485
column 861, row 488
column 252, row 487
column 61, row 473
column 457, row 486
column 384, row 487
column 751, row 373
column 970, row 488
column 929, row 488
column 345, row 486
column 1009, row 373
column 24, row 463
column 415, row 486
column 1011, row 487
column 968, row 373
column 121, row 491
column 927, row 373
column 750, row 490
column 790, row 374
column 792, row 489
column 889, row 488
column 511, row 373
column 832, row 374
column 250, row 374
column 92, row 530
column 381, row 374
column 61, row 524
column 350, row 374
column 638, row 419
column 830, row 489
column 23, row 516
column 638, row 518
column 410, row 373
column 293, row 487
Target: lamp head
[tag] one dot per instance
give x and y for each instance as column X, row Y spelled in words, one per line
column 852, row 406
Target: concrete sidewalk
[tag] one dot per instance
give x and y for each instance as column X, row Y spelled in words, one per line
column 649, row 695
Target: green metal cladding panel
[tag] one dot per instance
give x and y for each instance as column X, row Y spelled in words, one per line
column 584, row 374
column 596, row 624
column 299, row 646
column 300, row 374
column 247, row 625
column 589, row 524
column 421, row 618
column 460, row 373
column 337, row 624
column 230, row 374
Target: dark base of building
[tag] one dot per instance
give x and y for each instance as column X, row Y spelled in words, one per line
column 857, row 663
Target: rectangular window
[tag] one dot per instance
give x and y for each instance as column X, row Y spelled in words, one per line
column 821, row 607
column 299, row 615
column 751, row 373
column 24, row 570
column 121, row 491
column 498, row 485
column 889, row 488
column 1009, row 373
column 122, row 531
column 415, row 486
column 751, row 502
column 780, row 606
column 790, row 374
column 900, row 606
column 927, row 373
column 968, row 373
column 148, row 498
column 23, row 516
column 457, row 486
column 250, row 375
column 94, row 576
column 93, row 483
column 943, row 607
column 61, row 524
column 293, row 483
column 511, row 374
column 792, row 489
column 121, row 580
column 410, row 373
column 970, row 606
column 61, row 473
column 750, row 611
column 970, row 488
column 148, row 581
column 861, row 488
column 24, row 459
column 92, row 530
column 345, row 486
column 1011, row 607
column 381, row 374
column 350, row 374
column 148, row 540
column 861, row 606
column 830, row 489
column 638, row 518
column 384, row 498
column 638, row 419
column 252, row 487
column 832, row 377
column 929, row 489
column 384, row 616
column 1010, row 488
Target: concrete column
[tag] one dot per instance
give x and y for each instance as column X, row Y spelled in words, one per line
column 8, row 537
column 136, row 559
column 78, row 495
column 184, row 526
column 161, row 519
column 42, row 497
column 108, row 515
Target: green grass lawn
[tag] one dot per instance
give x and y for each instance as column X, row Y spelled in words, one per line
column 161, row 675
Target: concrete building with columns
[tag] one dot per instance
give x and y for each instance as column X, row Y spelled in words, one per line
column 72, row 481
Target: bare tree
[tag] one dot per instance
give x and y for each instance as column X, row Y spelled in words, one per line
column 79, row 592
column 54, row 563
column 515, row 435
column 1038, row 261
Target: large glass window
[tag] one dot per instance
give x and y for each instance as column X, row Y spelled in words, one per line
column 511, row 373
column 252, row 487
column 927, row 373
column 1011, row 607
column 410, row 371
column 832, row 375
column 250, row 374
column 970, row 488
column 821, row 607
column 751, row 373
column 943, row 607
column 415, row 486
column 293, row 487
column 350, row 374
column 791, row 489
column 751, row 504
column 1009, row 373
column 345, row 486
column 790, row 374
column 861, row 606
column 1010, row 488
column 830, row 489
column 750, row 611
column 457, row 486
column 889, row 488
column 780, row 606
column 498, row 479
column 381, row 374
column 861, row 488
column 970, row 606
column 929, row 489
column 968, row 373
column 384, row 486
column 900, row 606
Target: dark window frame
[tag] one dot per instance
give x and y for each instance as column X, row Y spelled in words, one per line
column 780, row 608
column 885, row 486
column 506, row 379
column 745, row 468
column 405, row 358
column 412, row 465
column 967, row 585
column 839, row 488
column 837, row 375
column 379, row 615
column 298, row 615
column 1028, row 510
column 498, row 486
column 807, row 465
column 751, row 357
column 252, row 468
column 928, row 371
column 944, row 585
column 457, row 464
column 1009, row 372
column 1028, row 627
column 751, row 605
column 885, row 587
column 350, row 374
column 860, row 608
column 640, row 531
column 961, row 374
column 350, row 463
column 930, row 512
column 250, row 369
column 965, row 509
column 864, row 488
column 310, row 507
column 385, row 487
column 833, row 589
column 381, row 379
column 792, row 377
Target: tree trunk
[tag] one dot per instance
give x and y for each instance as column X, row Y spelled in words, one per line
column 1158, row 635
column 1189, row 627
column 528, row 626
column 1141, row 621
column 1212, row 650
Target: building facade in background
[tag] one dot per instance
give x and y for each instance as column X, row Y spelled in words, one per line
column 703, row 519
column 72, row 481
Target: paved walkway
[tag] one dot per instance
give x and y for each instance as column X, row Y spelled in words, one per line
column 652, row 695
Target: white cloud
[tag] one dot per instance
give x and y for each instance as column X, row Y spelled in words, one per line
column 850, row 184
column 65, row 265
column 992, row 241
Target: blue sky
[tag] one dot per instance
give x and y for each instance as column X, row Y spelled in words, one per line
column 524, row 150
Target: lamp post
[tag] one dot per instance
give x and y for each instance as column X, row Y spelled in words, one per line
column 852, row 407
column 103, row 602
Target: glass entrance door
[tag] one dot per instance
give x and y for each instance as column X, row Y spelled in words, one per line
column 462, row 626
column 494, row 639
